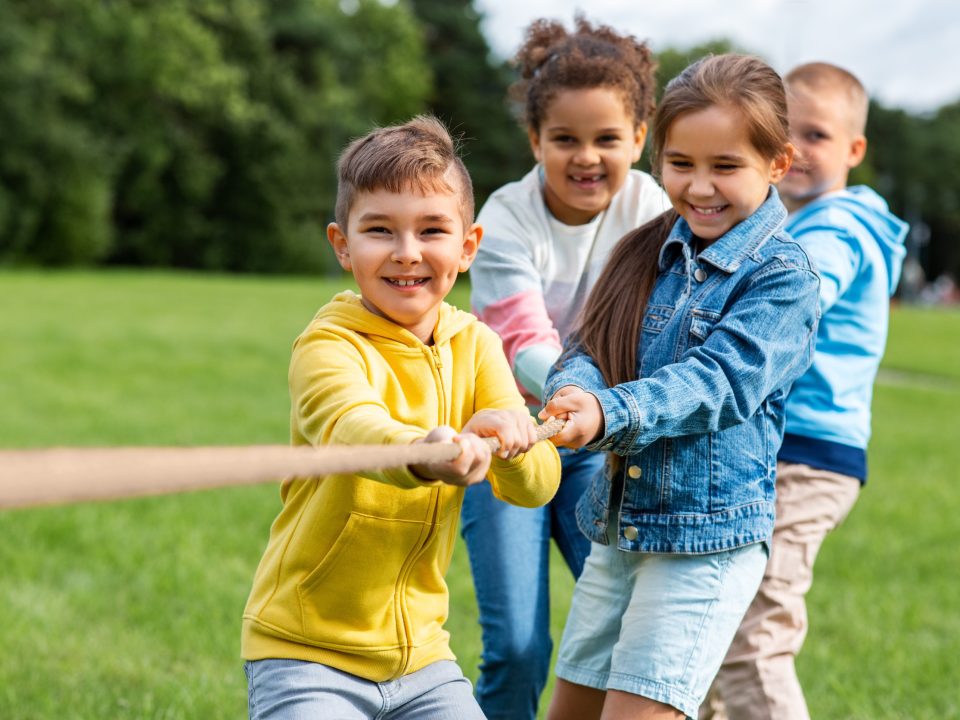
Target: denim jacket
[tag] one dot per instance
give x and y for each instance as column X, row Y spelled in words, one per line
column 723, row 337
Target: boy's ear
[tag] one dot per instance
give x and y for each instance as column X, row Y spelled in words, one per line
column 534, row 138
column 471, row 243
column 338, row 241
column 781, row 163
column 640, row 138
column 858, row 150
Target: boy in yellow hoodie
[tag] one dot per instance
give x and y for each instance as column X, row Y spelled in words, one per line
column 345, row 618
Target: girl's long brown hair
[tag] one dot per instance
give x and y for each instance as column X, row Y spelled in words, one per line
column 613, row 314
column 611, row 320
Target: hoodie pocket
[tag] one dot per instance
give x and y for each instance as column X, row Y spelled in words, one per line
column 351, row 598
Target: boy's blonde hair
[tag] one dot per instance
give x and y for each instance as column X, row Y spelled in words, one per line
column 419, row 155
column 820, row 75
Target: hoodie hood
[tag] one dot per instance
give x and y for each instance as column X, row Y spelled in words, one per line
column 346, row 309
column 869, row 210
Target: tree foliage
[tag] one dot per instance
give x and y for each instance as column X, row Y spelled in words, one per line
column 190, row 133
column 204, row 133
column 470, row 93
column 914, row 162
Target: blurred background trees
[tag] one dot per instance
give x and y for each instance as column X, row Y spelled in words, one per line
column 203, row 133
column 190, row 133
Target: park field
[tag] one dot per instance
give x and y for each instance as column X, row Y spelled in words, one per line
column 131, row 609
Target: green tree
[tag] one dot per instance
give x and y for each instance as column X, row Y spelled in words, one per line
column 470, row 93
column 914, row 162
column 54, row 171
column 190, row 133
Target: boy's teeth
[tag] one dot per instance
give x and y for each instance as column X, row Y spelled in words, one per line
column 708, row 211
column 405, row 283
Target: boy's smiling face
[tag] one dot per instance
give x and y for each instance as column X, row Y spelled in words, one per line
column 405, row 250
column 822, row 129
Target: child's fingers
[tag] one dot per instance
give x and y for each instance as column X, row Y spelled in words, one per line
column 572, row 434
column 441, row 433
column 474, row 460
column 511, row 437
column 567, row 390
column 565, row 400
column 566, row 434
column 559, row 407
column 522, row 436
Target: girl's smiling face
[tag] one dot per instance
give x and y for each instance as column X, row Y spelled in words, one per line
column 713, row 174
column 586, row 143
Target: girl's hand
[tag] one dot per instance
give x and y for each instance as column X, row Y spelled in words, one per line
column 514, row 429
column 469, row 468
column 582, row 412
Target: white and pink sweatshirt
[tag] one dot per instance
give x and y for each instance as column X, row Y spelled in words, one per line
column 532, row 274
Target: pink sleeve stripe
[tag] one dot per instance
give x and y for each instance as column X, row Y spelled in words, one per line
column 521, row 320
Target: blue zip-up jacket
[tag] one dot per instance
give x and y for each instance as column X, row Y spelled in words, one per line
column 723, row 337
column 856, row 244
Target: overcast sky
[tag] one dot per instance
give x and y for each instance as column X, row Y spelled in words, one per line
column 907, row 53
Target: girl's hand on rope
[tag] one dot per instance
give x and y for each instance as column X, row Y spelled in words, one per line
column 514, row 430
column 468, row 468
column 582, row 412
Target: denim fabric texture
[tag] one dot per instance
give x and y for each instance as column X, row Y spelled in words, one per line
column 280, row 689
column 509, row 549
column 725, row 334
column 657, row 625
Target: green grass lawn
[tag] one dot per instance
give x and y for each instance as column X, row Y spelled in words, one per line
column 131, row 609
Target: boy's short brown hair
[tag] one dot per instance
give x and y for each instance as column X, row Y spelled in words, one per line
column 419, row 154
column 821, row 75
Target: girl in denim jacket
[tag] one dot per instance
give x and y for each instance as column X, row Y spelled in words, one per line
column 586, row 95
column 678, row 371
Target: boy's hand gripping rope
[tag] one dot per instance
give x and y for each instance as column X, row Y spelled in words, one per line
column 68, row 475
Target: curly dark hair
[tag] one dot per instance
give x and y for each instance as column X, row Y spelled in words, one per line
column 552, row 59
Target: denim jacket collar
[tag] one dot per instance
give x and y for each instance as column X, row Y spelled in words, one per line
column 729, row 250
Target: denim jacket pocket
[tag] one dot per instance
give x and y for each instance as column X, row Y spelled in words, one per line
column 656, row 318
column 701, row 325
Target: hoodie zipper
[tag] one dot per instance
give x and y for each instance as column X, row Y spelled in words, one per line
column 433, row 529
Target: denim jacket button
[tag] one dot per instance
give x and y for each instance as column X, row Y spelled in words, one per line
column 634, row 471
column 699, row 275
column 630, row 532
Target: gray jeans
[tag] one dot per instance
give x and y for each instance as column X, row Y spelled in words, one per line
column 298, row 690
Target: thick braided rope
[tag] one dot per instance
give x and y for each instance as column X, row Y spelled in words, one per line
column 69, row 475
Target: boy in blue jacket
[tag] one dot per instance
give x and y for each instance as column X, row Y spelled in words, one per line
column 857, row 246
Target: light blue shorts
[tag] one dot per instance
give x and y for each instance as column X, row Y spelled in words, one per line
column 657, row 625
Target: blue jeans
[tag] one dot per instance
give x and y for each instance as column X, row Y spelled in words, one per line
column 509, row 557
column 298, row 690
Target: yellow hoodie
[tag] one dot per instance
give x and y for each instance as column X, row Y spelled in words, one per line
column 352, row 576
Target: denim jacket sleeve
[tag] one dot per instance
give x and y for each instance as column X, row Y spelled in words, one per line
column 761, row 343
column 574, row 367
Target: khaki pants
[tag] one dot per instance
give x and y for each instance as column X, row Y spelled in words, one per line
column 758, row 680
